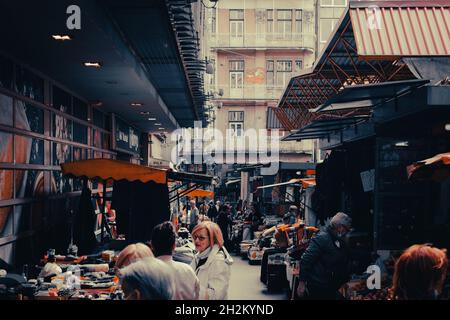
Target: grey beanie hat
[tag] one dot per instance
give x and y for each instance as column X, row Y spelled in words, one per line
column 341, row 219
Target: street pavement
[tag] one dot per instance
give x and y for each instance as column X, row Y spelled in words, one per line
column 245, row 283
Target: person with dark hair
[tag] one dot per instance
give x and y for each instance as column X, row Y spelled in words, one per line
column 224, row 222
column 214, row 210
column 163, row 243
column 419, row 273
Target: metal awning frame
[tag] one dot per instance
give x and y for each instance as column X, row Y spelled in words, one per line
column 339, row 66
column 322, row 128
column 408, row 87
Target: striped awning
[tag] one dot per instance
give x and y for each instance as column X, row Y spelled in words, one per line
column 107, row 169
column 417, row 29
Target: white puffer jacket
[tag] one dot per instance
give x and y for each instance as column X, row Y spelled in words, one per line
column 214, row 274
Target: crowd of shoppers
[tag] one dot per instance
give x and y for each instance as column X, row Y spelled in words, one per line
column 148, row 271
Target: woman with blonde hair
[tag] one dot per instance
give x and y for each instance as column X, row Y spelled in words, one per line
column 212, row 261
column 132, row 253
column 419, row 273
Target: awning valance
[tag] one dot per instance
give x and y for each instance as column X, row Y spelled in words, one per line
column 305, row 183
column 232, row 182
column 106, row 169
column 308, row 182
column 198, row 193
column 292, row 181
column 436, row 168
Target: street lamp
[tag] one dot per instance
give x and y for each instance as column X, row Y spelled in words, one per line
column 210, row 7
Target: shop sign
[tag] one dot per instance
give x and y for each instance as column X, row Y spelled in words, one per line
column 368, row 180
column 126, row 136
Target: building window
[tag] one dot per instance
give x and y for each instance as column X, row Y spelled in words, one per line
column 326, row 28
column 284, row 21
column 333, row 3
column 284, row 70
column 236, row 65
column 270, row 73
column 213, row 20
column 236, row 78
column 236, row 14
column 298, row 21
column 237, row 128
column 236, row 27
column 269, row 21
column 235, row 116
column 298, row 65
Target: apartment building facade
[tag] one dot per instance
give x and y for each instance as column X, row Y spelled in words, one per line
column 256, row 46
column 328, row 15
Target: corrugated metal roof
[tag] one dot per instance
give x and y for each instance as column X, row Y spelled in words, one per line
column 401, row 31
column 272, row 120
column 320, row 128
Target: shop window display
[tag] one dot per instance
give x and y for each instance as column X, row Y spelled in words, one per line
column 80, row 154
column 98, row 139
column 6, row 104
column 62, row 127
column 80, row 109
column 6, row 73
column 6, row 177
column 61, row 153
column 7, row 183
column 33, row 186
column 6, row 145
column 34, row 117
column 62, row 101
column 29, row 85
column 97, row 155
column 35, row 153
column 5, row 227
column 80, row 133
column 105, row 142
column 99, row 118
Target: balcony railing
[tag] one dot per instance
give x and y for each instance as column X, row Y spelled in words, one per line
column 265, row 40
column 250, row 91
column 242, row 144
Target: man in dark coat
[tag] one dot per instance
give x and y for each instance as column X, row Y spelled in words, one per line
column 214, row 210
column 224, row 222
column 324, row 265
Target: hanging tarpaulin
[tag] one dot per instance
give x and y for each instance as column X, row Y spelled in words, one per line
column 436, row 168
column 106, row 169
column 199, row 193
column 308, row 182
